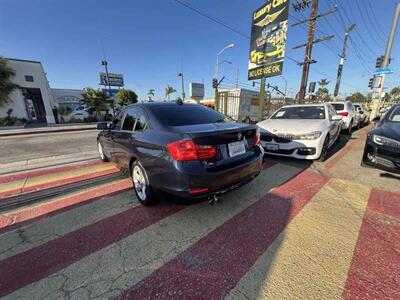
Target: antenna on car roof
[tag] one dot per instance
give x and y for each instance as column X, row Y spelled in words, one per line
column 179, row 102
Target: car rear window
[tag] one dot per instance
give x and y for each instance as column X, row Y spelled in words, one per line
column 300, row 112
column 338, row 106
column 187, row 114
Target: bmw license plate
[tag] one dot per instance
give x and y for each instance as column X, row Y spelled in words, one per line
column 236, row 148
column 271, row 147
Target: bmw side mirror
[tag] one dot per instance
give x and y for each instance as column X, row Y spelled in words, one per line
column 102, row 126
column 376, row 119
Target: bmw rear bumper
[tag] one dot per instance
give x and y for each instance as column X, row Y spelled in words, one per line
column 186, row 177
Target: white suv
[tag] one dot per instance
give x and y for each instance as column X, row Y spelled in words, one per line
column 351, row 119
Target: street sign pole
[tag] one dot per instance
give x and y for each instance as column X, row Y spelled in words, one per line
column 105, row 63
column 262, row 101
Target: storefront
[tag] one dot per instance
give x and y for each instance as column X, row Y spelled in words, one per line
column 67, row 98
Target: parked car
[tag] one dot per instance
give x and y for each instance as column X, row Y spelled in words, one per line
column 351, row 119
column 187, row 150
column 382, row 148
column 363, row 112
column 80, row 112
column 301, row 131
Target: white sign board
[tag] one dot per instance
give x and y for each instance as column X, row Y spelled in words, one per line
column 196, row 90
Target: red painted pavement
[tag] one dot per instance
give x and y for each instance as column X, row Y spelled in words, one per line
column 26, row 215
column 342, row 153
column 375, row 269
column 56, row 183
column 210, row 268
column 40, row 262
column 21, row 175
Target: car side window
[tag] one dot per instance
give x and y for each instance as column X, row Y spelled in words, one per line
column 141, row 122
column 129, row 121
column 116, row 123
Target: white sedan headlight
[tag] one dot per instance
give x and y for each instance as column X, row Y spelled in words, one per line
column 308, row 136
column 381, row 140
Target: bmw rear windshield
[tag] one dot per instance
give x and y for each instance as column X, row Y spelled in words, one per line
column 300, row 112
column 187, row 114
column 338, row 106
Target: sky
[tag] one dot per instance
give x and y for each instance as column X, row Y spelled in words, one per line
column 151, row 41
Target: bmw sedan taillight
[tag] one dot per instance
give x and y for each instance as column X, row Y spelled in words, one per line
column 188, row 150
column 343, row 113
column 256, row 138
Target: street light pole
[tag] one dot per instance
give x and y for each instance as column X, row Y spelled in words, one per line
column 105, row 64
column 284, row 97
column 180, row 74
column 216, row 73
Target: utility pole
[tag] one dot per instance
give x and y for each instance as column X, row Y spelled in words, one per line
column 307, row 56
column 237, row 78
column 341, row 62
column 300, row 5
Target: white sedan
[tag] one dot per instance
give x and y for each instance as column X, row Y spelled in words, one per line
column 301, row 131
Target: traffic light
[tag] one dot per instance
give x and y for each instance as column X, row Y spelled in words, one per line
column 371, row 82
column 379, row 61
column 311, row 88
column 214, row 83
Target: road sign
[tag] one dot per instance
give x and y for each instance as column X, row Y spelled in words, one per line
column 196, row 91
column 381, row 71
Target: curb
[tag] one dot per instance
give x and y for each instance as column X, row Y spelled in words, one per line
column 13, row 132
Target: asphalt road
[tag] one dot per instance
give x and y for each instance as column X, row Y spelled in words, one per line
column 35, row 146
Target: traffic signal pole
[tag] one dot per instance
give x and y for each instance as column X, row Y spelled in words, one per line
column 341, row 62
column 385, row 63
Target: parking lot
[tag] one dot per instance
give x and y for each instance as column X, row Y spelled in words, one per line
column 299, row 230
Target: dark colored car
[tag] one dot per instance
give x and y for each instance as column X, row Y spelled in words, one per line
column 382, row 149
column 187, row 150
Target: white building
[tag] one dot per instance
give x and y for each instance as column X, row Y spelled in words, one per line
column 32, row 100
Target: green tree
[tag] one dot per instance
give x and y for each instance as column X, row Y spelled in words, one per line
column 126, row 97
column 6, row 85
column 356, row 98
column 168, row 91
column 395, row 93
column 96, row 100
column 323, row 83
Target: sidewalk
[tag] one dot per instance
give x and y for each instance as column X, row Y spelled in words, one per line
column 51, row 128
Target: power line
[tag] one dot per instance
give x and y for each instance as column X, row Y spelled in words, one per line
column 211, row 18
column 367, row 24
column 375, row 19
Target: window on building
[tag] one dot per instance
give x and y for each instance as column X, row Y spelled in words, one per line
column 28, row 78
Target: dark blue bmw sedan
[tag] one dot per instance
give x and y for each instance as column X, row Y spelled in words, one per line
column 187, row 150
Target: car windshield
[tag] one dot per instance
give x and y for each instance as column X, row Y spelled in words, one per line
column 338, row 106
column 300, row 112
column 394, row 116
column 182, row 115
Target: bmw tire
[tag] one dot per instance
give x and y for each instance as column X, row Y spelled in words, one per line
column 141, row 185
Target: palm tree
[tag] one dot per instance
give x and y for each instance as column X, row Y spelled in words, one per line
column 95, row 100
column 323, row 83
column 150, row 93
column 6, row 85
column 168, row 91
